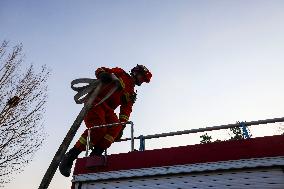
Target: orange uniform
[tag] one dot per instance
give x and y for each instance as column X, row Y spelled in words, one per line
column 104, row 113
column 102, row 138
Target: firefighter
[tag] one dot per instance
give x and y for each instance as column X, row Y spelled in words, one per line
column 102, row 138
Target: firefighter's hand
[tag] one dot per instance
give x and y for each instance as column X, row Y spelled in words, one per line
column 105, row 77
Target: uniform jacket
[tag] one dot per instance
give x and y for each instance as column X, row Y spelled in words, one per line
column 123, row 97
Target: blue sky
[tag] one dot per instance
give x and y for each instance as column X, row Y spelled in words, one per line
column 213, row 62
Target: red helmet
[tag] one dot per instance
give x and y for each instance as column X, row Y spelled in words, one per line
column 143, row 70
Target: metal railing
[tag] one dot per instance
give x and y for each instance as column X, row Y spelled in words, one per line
column 143, row 138
column 110, row 125
column 228, row 126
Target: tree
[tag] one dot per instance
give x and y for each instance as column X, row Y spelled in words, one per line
column 23, row 96
column 205, row 139
column 238, row 133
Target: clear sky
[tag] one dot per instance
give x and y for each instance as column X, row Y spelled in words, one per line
column 213, row 62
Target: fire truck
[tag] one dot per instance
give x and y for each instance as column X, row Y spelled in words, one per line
column 232, row 164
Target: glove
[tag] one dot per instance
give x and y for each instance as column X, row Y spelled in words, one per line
column 105, row 77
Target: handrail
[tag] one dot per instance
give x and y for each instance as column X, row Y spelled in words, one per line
column 108, row 126
column 142, row 138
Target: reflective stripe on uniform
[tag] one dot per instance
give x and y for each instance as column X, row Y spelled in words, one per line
column 121, row 83
column 121, row 116
column 83, row 140
column 109, row 138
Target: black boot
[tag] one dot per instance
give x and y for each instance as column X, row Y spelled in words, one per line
column 97, row 151
column 67, row 161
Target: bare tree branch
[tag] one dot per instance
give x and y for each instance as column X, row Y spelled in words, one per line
column 23, row 96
